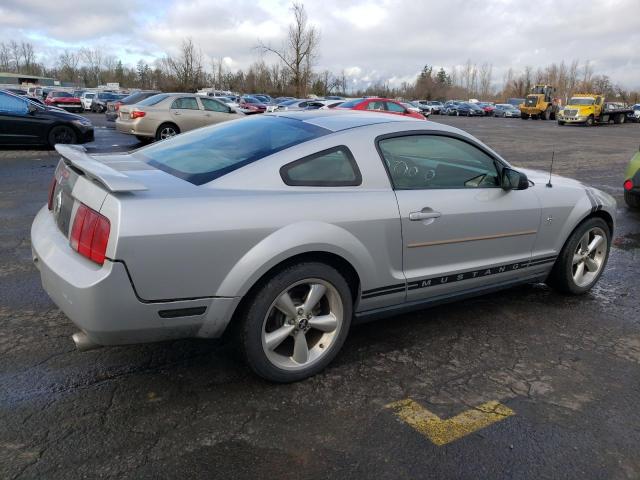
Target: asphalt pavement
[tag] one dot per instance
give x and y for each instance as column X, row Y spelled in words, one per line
column 565, row 371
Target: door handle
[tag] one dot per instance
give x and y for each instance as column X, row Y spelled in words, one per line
column 176, row 113
column 425, row 214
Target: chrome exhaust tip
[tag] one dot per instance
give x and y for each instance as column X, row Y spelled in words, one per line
column 83, row 343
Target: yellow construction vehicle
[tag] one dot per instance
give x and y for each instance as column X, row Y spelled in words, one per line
column 540, row 103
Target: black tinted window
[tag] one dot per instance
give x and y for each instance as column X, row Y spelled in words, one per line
column 207, row 153
column 434, row 161
column 335, row 167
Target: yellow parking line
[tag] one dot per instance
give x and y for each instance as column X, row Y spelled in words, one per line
column 441, row 432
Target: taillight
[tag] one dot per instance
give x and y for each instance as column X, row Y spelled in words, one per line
column 90, row 234
column 52, row 188
column 136, row 114
column 628, row 185
column 117, row 106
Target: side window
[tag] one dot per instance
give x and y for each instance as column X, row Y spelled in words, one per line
column 394, row 107
column 433, row 161
column 213, row 105
column 11, row 104
column 186, row 103
column 375, row 106
column 334, row 167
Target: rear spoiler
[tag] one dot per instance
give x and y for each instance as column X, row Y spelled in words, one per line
column 113, row 180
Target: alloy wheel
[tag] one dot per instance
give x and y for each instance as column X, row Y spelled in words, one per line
column 589, row 257
column 167, row 132
column 302, row 324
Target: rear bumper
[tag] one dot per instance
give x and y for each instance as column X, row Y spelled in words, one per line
column 102, row 302
column 134, row 127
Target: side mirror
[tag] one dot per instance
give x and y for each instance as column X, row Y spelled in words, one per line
column 32, row 108
column 513, row 180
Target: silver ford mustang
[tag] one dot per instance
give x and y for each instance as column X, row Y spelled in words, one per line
column 281, row 229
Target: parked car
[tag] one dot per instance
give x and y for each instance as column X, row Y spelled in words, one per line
column 100, row 100
column 34, row 92
column 434, row 106
column 279, row 100
column 448, row 106
column 506, row 110
column 86, row 99
column 24, row 122
column 113, row 106
column 417, row 107
column 66, row 100
column 632, row 182
column 383, row 105
column 488, row 107
column 466, row 109
column 635, row 115
column 250, row 105
column 164, row 242
column 266, row 100
column 231, row 102
column 167, row 114
column 305, row 104
column 516, row 102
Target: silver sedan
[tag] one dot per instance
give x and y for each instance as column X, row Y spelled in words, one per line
column 284, row 229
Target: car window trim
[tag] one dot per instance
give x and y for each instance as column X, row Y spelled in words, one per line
column 284, row 170
column 499, row 163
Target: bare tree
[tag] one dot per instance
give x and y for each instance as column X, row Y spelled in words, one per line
column 299, row 51
column 186, row 68
column 486, row 72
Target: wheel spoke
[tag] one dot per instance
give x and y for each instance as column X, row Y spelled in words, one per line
column 286, row 306
column 316, row 292
column 324, row 323
column 595, row 243
column 579, row 273
column 577, row 259
column 300, row 348
column 584, row 242
column 591, row 264
column 275, row 338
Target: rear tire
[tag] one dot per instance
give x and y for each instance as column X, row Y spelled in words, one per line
column 61, row 134
column 273, row 356
column 546, row 115
column 524, row 116
column 167, row 130
column 579, row 267
column 632, row 200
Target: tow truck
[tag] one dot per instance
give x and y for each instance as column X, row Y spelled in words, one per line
column 590, row 108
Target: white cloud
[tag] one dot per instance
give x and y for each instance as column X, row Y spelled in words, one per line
column 385, row 40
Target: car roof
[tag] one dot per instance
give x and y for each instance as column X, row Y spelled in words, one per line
column 337, row 120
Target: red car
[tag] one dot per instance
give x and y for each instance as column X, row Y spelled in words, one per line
column 489, row 108
column 384, row 105
column 64, row 100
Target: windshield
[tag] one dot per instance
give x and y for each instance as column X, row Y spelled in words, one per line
column 205, row 154
column 582, row 101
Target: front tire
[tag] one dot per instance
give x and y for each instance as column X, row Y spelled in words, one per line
column 582, row 259
column 61, row 134
column 590, row 121
column 295, row 324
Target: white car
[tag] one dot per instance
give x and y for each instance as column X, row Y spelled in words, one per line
column 86, row 99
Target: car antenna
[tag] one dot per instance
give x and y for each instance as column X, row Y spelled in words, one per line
column 551, row 170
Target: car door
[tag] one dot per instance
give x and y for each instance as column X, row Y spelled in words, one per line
column 18, row 125
column 461, row 231
column 215, row 111
column 185, row 112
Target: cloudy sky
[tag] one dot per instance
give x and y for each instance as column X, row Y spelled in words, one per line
column 372, row 40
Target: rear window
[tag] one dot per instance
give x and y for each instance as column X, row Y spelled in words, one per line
column 205, row 154
column 155, row 99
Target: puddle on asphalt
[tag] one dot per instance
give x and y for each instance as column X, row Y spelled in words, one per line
column 629, row 241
